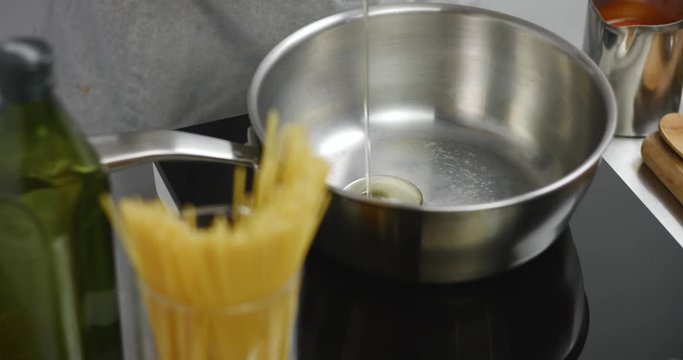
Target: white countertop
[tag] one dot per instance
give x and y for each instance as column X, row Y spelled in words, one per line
column 623, row 155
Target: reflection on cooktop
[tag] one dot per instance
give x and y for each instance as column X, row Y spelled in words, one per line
column 537, row 311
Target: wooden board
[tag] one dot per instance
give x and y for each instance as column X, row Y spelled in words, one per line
column 665, row 163
column 671, row 127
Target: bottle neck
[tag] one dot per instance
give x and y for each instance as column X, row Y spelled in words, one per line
column 28, row 93
column 38, row 109
column 25, row 70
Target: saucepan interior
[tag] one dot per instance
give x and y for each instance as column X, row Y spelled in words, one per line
column 475, row 108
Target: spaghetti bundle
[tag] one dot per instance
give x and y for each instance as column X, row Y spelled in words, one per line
column 229, row 290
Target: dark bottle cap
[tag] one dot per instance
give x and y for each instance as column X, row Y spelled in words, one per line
column 25, row 69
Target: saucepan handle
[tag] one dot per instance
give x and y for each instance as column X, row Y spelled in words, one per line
column 122, row 150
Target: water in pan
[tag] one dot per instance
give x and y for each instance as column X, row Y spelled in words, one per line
column 450, row 163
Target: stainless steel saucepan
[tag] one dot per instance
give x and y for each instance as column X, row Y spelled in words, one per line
column 498, row 122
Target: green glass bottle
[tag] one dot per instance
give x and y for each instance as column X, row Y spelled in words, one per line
column 57, row 275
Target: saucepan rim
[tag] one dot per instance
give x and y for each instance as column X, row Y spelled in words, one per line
column 317, row 27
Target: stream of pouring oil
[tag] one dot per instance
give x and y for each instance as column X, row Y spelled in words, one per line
column 366, row 96
column 383, row 187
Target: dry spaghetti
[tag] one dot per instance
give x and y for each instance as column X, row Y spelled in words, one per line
column 228, row 291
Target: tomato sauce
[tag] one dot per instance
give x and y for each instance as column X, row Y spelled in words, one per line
column 634, row 13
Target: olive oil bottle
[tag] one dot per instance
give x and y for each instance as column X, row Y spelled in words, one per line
column 57, row 276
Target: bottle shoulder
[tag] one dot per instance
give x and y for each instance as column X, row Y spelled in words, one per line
column 40, row 140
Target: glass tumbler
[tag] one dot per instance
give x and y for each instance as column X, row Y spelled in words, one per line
column 259, row 329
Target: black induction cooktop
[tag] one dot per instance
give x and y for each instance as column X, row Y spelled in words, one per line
column 610, row 287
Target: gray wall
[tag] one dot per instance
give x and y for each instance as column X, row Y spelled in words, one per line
column 564, row 17
column 22, row 17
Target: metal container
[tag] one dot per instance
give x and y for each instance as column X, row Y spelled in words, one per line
column 644, row 63
column 498, row 122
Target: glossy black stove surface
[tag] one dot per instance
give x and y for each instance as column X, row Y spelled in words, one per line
column 537, row 311
column 611, row 287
